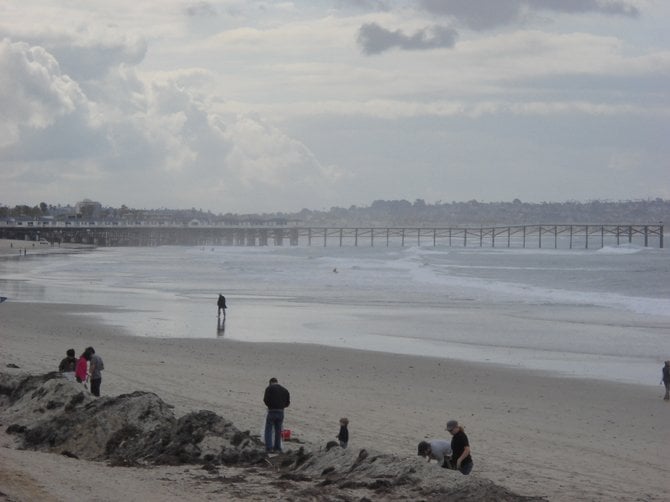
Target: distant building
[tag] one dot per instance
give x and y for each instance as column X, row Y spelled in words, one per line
column 88, row 209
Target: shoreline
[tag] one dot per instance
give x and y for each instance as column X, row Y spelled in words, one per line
column 468, row 340
column 537, row 434
column 14, row 248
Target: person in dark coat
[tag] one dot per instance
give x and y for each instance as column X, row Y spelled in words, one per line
column 666, row 380
column 221, row 304
column 276, row 398
column 343, row 435
column 68, row 365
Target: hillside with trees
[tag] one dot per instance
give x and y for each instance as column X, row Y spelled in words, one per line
column 380, row 213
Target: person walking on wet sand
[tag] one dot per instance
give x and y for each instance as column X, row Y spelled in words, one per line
column 666, row 380
column 276, row 398
column 460, row 447
column 221, row 305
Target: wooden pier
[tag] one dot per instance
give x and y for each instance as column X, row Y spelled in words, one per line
column 518, row 236
column 554, row 236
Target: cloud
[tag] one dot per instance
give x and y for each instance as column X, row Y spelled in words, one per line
column 484, row 14
column 85, row 59
column 204, row 9
column 86, row 53
column 127, row 132
column 374, row 39
column 613, row 7
column 34, row 94
column 275, row 161
column 374, row 5
column 265, row 105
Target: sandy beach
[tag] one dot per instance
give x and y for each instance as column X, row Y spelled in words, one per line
column 538, row 435
column 15, row 248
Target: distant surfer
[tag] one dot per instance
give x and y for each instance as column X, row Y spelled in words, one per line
column 221, row 304
column 666, row 380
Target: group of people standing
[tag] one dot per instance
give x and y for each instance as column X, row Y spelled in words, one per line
column 85, row 369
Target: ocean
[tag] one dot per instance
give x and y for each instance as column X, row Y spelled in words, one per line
column 601, row 314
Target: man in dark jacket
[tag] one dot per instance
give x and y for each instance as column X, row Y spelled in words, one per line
column 276, row 398
column 221, row 305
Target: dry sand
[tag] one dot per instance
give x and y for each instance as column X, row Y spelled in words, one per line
column 538, row 435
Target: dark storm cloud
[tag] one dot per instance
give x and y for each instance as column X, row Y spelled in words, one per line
column 375, row 39
column 484, row 14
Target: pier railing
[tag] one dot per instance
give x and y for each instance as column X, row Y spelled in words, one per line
column 556, row 236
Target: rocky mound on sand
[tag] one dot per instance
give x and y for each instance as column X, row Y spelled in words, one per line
column 49, row 413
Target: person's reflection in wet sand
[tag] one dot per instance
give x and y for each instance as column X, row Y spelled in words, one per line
column 220, row 326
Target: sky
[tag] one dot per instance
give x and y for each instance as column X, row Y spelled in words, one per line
column 249, row 106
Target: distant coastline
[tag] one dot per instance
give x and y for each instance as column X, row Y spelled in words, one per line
column 379, row 213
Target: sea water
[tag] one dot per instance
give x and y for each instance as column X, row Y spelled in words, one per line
column 599, row 314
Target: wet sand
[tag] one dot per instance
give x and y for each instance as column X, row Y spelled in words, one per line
column 10, row 248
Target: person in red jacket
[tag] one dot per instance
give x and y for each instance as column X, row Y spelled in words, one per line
column 81, row 372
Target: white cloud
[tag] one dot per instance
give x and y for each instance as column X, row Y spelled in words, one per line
column 251, row 105
column 33, row 92
column 145, row 133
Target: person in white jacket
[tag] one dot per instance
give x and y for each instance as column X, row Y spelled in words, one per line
column 437, row 449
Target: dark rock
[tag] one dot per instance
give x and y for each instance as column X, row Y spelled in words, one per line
column 210, row 467
column 129, row 432
column 130, row 429
column 16, row 429
column 292, row 476
column 74, row 401
column 283, row 485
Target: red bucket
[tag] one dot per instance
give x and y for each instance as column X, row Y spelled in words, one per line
column 286, row 434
